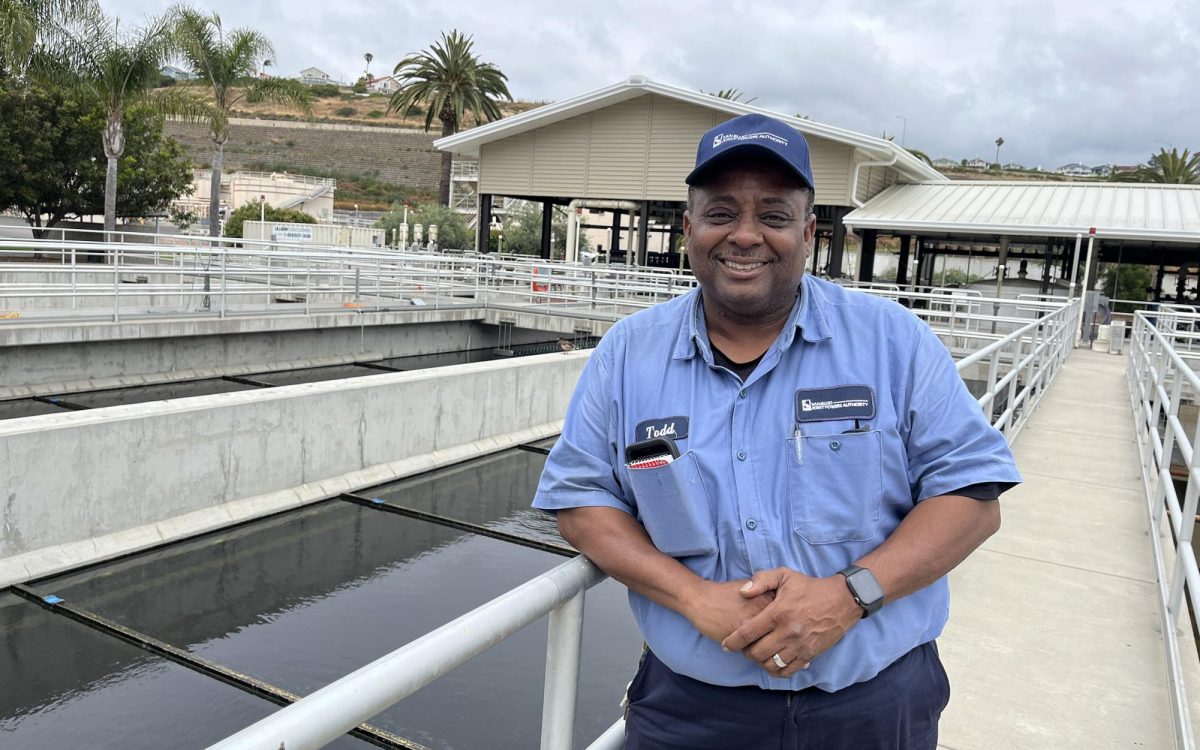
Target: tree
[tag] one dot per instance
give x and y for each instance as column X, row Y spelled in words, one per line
column 254, row 210
column 453, row 232
column 1166, row 167
column 119, row 69
column 222, row 60
column 24, row 22
column 368, row 57
column 734, row 95
column 1127, row 281
column 449, row 80
column 523, row 231
column 52, row 162
column 999, row 143
column 920, row 155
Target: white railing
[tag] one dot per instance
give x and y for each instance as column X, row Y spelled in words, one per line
column 1021, row 365
column 335, row 709
column 1162, row 384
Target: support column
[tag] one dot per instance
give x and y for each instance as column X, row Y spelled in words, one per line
column 616, row 234
column 643, row 235
column 1045, row 285
column 1002, row 265
column 483, row 224
column 1158, row 280
column 838, row 244
column 1180, row 283
column 547, row 218
column 922, row 262
column 866, row 255
column 902, row 268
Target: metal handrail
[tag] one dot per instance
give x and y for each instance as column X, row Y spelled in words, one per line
column 1158, row 377
column 335, row 709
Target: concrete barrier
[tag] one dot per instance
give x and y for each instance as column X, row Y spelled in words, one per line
column 88, row 486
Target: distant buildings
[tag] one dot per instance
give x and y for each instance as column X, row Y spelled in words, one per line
column 313, row 76
column 1012, row 166
column 1075, row 169
column 179, row 74
column 943, row 162
column 976, row 164
column 385, row 85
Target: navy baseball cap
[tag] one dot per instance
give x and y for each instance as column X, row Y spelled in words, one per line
column 757, row 132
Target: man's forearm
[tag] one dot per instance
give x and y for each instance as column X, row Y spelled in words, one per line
column 620, row 546
column 933, row 538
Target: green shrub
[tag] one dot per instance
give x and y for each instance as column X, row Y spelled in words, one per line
column 360, row 86
column 375, row 113
column 252, row 212
column 414, row 111
column 345, row 111
column 325, row 90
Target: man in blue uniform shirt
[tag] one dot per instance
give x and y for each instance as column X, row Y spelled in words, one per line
column 782, row 472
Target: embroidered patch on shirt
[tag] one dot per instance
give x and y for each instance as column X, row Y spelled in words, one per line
column 675, row 428
column 837, row 402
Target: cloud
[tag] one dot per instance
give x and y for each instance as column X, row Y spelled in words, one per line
column 1102, row 81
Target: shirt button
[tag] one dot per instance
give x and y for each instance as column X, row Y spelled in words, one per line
column 752, row 524
column 742, row 393
column 835, row 446
column 741, row 455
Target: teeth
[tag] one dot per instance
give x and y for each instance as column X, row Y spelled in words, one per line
column 743, row 266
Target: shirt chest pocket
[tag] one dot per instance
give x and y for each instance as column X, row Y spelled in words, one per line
column 835, row 486
column 674, row 506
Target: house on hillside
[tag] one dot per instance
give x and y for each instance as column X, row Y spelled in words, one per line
column 943, row 162
column 313, row 76
column 1074, row 169
column 1012, row 166
column 977, row 164
column 1103, row 170
column 385, row 85
column 179, row 74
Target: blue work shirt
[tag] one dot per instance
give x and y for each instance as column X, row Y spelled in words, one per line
column 854, row 415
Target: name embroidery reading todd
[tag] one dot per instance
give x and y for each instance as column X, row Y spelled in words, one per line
column 675, row 428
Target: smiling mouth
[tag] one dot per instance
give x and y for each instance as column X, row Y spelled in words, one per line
column 741, row 265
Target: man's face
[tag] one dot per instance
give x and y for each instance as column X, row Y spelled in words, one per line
column 748, row 234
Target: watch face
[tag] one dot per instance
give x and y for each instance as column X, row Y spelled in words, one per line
column 865, row 587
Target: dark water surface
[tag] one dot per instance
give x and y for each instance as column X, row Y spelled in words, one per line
column 301, row 600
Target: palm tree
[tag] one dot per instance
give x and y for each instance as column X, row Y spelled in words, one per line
column 368, row 57
column 999, row 143
column 920, row 155
column 119, row 68
column 450, row 80
column 1166, row 167
column 223, row 60
column 733, row 95
column 23, row 22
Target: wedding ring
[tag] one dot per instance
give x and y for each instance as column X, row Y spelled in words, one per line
column 779, row 662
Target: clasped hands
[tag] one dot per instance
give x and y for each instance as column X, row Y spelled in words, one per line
column 777, row 611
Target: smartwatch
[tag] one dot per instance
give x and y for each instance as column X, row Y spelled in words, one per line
column 864, row 588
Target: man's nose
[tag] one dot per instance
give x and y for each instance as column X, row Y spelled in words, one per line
column 746, row 232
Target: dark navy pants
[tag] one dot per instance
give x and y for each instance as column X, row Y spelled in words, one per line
column 896, row 710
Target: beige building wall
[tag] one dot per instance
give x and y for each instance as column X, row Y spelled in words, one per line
column 640, row 149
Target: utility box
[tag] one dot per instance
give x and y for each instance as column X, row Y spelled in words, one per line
column 1116, row 337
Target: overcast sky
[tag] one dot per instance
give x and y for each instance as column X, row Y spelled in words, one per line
column 1095, row 81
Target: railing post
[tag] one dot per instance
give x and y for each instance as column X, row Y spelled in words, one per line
column 307, row 283
column 116, row 271
column 74, row 277
column 224, row 264
column 563, row 647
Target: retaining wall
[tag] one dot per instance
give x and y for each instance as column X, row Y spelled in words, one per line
column 88, row 486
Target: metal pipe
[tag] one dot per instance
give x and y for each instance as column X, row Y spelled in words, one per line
column 564, row 644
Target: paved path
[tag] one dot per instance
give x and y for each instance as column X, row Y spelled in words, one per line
column 1053, row 641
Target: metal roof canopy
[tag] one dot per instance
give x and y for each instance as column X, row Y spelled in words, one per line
column 1132, row 212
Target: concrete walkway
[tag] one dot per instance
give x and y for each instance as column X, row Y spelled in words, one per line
column 1053, row 639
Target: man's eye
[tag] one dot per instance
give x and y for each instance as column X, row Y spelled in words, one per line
column 719, row 216
column 776, row 219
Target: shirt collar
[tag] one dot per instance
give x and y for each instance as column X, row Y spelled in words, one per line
column 807, row 316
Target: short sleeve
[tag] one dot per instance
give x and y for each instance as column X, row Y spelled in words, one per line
column 950, row 443
column 581, row 468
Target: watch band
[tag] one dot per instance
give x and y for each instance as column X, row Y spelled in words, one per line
column 866, row 591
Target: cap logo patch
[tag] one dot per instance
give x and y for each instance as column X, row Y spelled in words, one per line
column 726, row 137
